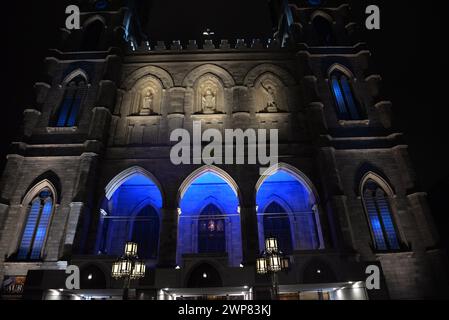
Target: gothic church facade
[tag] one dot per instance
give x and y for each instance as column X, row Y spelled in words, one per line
column 91, row 169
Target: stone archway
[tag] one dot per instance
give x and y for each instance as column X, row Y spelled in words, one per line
column 204, row 276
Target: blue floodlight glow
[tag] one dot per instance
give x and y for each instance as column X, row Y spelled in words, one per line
column 285, row 210
column 209, row 209
column 133, row 214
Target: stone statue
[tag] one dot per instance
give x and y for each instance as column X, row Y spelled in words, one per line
column 209, row 101
column 271, row 94
column 147, row 103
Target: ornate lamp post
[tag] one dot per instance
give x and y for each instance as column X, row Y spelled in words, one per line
column 273, row 261
column 129, row 267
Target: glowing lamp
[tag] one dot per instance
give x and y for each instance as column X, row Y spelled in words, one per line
column 126, row 267
column 139, row 270
column 275, row 263
column 262, row 267
column 271, row 245
column 131, row 249
column 116, row 270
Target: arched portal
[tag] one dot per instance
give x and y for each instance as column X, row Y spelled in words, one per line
column 209, row 221
column 92, row 277
column 131, row 212
column 204, row 276
column 318, row 271
column 288, row 209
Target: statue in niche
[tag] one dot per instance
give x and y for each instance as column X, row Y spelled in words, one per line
column 270, row 91
column 147, row 103
column 209, row 101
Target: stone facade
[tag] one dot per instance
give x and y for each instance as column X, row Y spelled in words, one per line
column 139, row 92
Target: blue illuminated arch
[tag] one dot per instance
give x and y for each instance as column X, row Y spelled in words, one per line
column 347, row 106
column 291, row 190
column 376, row 194
column 75, row 88
column 205, row 189
column 131, row 211
column 40, row 203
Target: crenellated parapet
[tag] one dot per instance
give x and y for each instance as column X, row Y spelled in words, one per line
column 204, row 45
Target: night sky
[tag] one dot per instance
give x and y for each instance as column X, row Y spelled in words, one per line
column 410, row 51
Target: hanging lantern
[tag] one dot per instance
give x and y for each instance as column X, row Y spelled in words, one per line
column 116, row 270
column 285, row 263
column 126, row 267
column 139, row 270
column 271, row 245
column 274, row 263
column 262, row 267
column 131, row 249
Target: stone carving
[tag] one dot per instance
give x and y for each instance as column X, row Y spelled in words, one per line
column 209, row 101
column 269, row 94
column 147, row 103
column 270, row 91
column 208, row 91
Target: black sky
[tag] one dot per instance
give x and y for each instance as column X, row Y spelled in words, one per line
column 410, row 51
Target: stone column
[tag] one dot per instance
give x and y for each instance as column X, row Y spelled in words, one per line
column 75, row 213
column 250, row 236
column 168, row 238
column 334, row 201
column 423, row 219
column 80, row 214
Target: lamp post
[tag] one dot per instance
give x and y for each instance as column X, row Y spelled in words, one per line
column 271, row 262
column 129, row 267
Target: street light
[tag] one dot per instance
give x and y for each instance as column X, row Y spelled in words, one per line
column 208, row 32
column 128, row 267
column 272, row 261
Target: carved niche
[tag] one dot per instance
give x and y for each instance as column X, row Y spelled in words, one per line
column 209, row 95
column 147, row 97
column 270, row 94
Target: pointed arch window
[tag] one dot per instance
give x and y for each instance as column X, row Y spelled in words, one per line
column 36, row 227
column 146, row 232
column 211, row 231
column 74, row 94
column 92, row 35
column 276, row 223
column 324, row 30
column 380, row 218
column 347, row 106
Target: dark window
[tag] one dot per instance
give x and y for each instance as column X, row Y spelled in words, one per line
column 74, row 94
column 324, row 31
column 211, row 231
column 92, row 36
column 380, row 218
column 146, row 233
column 36, row 227
column 347, row 106
column 276, row 223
